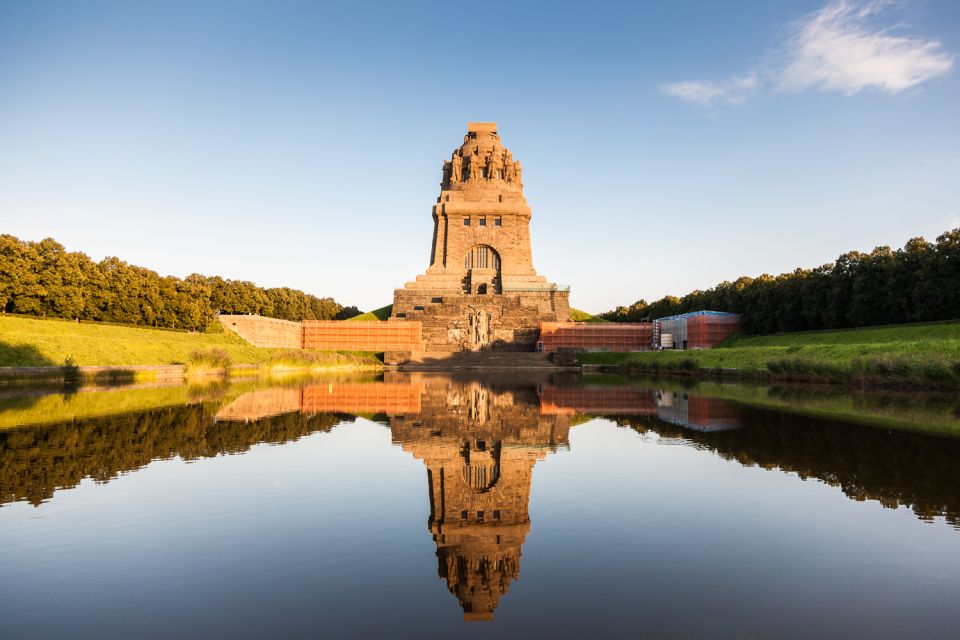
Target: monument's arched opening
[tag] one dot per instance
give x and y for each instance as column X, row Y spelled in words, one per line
column 481, row 268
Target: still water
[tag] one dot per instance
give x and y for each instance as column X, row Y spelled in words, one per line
column 419, row 505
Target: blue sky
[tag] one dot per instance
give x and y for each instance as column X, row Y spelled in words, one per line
column 666, row 147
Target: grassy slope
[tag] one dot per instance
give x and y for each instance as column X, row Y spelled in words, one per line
column 40, row 342
column 897, row 352
column 370, row 316
column 582, row 316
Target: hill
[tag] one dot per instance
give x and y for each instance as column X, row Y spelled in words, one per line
column 383, row 313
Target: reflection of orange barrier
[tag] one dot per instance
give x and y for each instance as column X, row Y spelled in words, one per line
column 374, row 397
column 262, row 403
column 615, row 400
column 711, row 414
column 336, row 335
column 607, row 336
column 405, row 397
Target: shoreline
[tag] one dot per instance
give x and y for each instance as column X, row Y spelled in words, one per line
column 831, row 379
column 139, row 373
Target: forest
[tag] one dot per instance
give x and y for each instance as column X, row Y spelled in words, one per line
column 44, row 279
column 918, row 283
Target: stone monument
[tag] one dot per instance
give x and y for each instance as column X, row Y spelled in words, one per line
column 481, row 290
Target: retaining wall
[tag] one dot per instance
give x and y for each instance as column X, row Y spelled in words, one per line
column 267, row 333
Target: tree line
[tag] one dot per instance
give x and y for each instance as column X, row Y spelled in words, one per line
column 918, row 283
column 44, row 279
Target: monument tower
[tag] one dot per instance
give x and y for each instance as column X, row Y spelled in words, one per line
column 481, row 290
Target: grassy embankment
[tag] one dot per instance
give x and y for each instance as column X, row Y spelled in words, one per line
column 915, row 354
column 383, row 313
column 582, row 316
column 38, row 342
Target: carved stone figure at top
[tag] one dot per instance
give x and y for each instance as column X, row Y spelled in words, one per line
column 445, row 180
column 456, row 171
column 494, row 166
column 476, row 168
column 509, row 170
column 518, row 178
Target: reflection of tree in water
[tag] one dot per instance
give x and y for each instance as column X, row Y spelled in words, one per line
column 893, row 467
column 36, row 461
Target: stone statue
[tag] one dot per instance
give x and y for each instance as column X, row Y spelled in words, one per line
column 480, row 328
column 518, row 171
column 476, row 168
column 509, row 171
column 445, row 181
column 456, row 168
column 494, row 166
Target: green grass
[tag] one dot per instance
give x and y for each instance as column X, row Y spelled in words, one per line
column 26, row 342
column 936, row 331
column 919, row 354
column 582, row 316
column 383, row 313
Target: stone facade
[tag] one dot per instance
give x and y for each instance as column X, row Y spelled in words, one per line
column 481, row 290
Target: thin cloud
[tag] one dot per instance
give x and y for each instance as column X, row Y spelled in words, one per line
column 733, row 91
column 838, row 48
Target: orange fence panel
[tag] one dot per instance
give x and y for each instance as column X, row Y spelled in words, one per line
column 599, row 336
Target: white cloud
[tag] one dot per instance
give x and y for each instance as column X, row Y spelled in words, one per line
column 838, row 48
column 732, row 91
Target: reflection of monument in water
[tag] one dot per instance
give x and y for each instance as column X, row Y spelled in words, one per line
column 480, row 446
column 480, row 442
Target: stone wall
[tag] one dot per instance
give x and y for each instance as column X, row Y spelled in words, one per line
column 457, row 322
column 267, row 333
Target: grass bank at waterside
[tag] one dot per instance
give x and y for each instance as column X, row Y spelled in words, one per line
column 38, row 342
column 920, row 355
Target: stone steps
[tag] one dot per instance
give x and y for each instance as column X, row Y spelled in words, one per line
column 503, row 360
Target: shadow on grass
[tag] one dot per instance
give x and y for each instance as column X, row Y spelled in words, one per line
column 22, row 355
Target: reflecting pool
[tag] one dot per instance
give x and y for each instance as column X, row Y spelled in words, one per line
column 421, row 504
